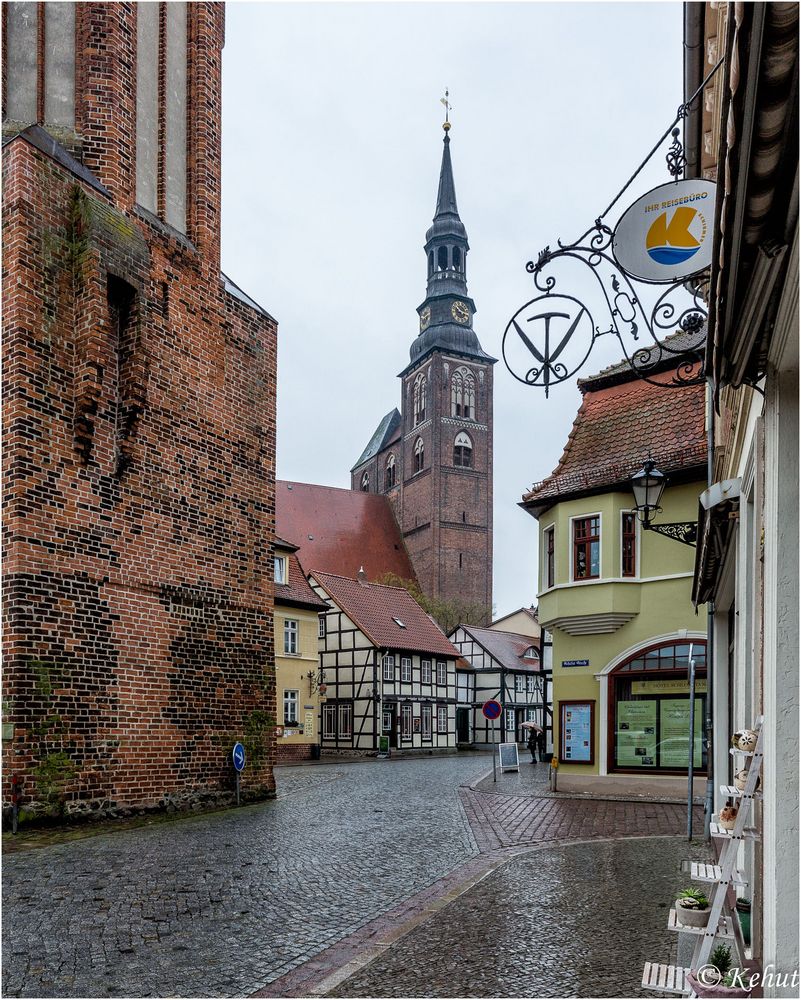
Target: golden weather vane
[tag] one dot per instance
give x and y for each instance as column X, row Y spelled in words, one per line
column 448, row 108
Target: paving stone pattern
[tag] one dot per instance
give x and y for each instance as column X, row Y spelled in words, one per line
column 575, row 921
column 219, row 905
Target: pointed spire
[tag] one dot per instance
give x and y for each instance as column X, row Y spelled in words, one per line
column 446, row 195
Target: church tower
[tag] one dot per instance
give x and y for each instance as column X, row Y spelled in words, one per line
column 434, row 458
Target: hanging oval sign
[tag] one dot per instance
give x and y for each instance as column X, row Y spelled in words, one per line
column 666, row 235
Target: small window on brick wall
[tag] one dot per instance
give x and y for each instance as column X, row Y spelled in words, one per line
column 126, row 393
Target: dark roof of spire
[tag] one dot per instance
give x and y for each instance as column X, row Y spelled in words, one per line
column 446, row 195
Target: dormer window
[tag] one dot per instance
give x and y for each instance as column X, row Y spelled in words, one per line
column 399, row 623
column 279, row 564
column 531, row 653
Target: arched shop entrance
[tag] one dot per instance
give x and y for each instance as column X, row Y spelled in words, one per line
column 648, row 700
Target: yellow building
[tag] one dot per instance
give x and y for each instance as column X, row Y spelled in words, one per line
column 297, row 668
column 616, row 597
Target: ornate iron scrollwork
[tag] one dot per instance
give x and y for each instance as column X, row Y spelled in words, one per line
column 680, row 531
column 651, row 336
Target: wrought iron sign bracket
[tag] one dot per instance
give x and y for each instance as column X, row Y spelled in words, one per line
column 549, row 339
column 680, row 531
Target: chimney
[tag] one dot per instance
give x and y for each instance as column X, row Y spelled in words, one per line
column 361, row 576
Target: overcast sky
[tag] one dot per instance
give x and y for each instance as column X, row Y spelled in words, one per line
column 332, row 144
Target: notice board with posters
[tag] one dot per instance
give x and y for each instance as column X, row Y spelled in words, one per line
column 636, row 734
column 576, row 732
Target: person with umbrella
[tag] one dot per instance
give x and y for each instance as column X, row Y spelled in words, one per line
column 536, row 740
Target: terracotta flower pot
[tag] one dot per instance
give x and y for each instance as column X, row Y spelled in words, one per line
column 691, row 917
column 718, row 990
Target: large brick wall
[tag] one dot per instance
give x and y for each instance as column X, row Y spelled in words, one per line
column 139, row 461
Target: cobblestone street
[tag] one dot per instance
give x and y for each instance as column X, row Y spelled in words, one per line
column 288, row 892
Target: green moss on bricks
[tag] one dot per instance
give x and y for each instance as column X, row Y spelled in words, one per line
column 51, row 778
column 257, row 728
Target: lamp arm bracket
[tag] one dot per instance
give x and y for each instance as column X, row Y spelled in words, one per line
column 681, row 531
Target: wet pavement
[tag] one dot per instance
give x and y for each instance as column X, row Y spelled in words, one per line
column 287, row 897
column 576, row 921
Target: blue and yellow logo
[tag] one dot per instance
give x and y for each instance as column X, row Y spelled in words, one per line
column 670, row 239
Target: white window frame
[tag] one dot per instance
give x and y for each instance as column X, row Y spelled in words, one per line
column 544, row 585
column 406, row 670
column 531, row 688
column 291, row 636
column 442, row 718
column 511, row 725
column 344, row 715
column 388, row 668
column 321, row 626
column 425, row 671
column 279, row 569
column 291, row 699
column 425, row 721
column 442, row 673
column 520, row 685
column 583, row 517
column 406, row 722
column 330, row 721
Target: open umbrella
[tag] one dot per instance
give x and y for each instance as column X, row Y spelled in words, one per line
column 532, row 725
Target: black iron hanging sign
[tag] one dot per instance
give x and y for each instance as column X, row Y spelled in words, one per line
column 664, row 238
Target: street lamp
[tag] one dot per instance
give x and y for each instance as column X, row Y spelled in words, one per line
column 648, row 485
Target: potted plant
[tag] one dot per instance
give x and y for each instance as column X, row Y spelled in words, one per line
column 728, row 816
column 743, row 907
column 717, row 978
column 692, row 908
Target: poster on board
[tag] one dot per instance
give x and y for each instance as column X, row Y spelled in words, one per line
column 577, row 732
column 636, row 734
column 674, row 723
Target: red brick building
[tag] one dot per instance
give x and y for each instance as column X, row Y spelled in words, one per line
column 433, row 458
column 139, row 422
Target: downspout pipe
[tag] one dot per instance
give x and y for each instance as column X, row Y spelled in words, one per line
column 709, row 798
column 693, row 69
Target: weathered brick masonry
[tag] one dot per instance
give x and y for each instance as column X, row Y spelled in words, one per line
column 139, row 459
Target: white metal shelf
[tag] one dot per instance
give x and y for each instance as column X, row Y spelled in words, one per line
column 665, row 978
column 725, row 929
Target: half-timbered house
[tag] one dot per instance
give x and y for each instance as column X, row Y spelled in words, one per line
column 388, row 670
column 505, row 667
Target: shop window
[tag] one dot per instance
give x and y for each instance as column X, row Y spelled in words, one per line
column 587, row 548
column 650, row 709
column 510, row 724
column 329, row 721
column 406, row 722
column 345, row 720
column 628, row 534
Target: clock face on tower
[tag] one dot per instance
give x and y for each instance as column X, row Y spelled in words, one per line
column 460, row 312
column 425, row 317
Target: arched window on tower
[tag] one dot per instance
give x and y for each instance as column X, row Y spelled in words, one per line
column 419, row 398
column 365, row 483
column 430, row 262
column 419, row 455
column 463, row 394
column 442, row 259
column 463, row 451
column 457, row 259
column 389, row 475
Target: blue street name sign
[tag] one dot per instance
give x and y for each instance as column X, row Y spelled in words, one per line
column 238, row 756
column 492, row 709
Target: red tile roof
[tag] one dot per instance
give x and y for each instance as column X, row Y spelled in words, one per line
column 615, row 430
column 374, row 608
column 296, row 591
column 506, row 648
column 339, row 531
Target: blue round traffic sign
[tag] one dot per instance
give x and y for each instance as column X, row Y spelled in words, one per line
column 492, row 709
column 238, row 756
